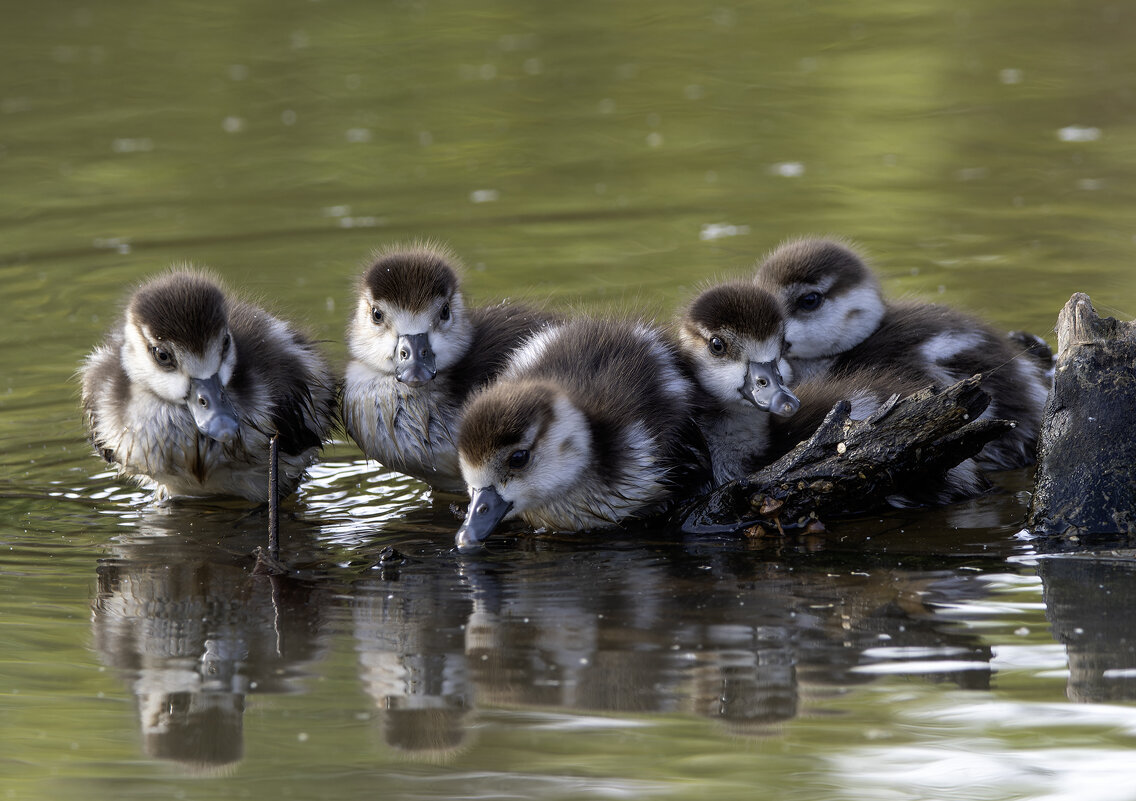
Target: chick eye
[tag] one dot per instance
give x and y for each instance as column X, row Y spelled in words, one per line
column 518, row 459
column 717, row 346
column 162, row 356
column 810, row 301
column 444, row 314
column 376, row 315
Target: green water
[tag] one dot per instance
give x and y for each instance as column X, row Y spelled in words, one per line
column 590, row 156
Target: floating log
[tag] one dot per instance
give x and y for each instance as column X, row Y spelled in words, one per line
column 1086, row 474
column 853, row 466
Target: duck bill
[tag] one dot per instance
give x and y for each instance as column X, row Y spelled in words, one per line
column 766, row 390
column 213, row 414
column 414, row 360
column 486, row 509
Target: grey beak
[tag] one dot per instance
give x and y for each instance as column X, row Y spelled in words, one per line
column 765, row 389
column 212, row 412
column 486, row 510
column 414, row 360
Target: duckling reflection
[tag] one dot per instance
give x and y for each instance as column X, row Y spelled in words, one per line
column 710, row 633
column 408, row 637
column 1086, row 602
column 190, row 385
column 196, row 634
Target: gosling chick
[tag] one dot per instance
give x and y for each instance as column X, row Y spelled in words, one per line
column 190, row 386
column 837, row 321
column 591, row 424
column 416, row 353
column 731, row 336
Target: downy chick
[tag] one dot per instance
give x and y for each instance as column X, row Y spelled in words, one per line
column 190, row 386
column 416, row 353
column 590, row 425
column 837, row 321
column 731, row 336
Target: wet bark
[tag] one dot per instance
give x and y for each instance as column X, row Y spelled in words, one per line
column 853, row 466
column 1086, row 475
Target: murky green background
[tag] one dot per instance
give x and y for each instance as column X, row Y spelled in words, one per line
column 589, row 155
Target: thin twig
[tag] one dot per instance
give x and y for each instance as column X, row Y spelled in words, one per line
column 273, row 498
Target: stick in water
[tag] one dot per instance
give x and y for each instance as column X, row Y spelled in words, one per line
column 273, row 498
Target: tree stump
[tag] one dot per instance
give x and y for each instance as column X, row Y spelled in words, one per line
column 1086, row 474
column 853, row 466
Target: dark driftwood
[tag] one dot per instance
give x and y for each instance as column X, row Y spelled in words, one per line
column 853, row 466
column 1086, row 475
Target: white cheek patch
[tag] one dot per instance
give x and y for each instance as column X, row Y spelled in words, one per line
column 838, row 325
column 370, row 343
column 169, row 385
column 450, row 338
column 558, row 460
column 722, row 378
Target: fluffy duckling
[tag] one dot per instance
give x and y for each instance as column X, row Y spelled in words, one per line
column 190, row 386
column 590, row 424
column 731, row 336
column 837, row 321
column 416, row 353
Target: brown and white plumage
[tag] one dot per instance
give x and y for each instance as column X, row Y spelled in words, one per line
column 838, row 322
column 590, row 425
column 731, row 336
column 191, row 384
column 416, row 353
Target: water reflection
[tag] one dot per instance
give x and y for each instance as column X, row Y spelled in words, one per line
column 1088, row 602
column 195, row 633
column 413, row 666
column 721, row 634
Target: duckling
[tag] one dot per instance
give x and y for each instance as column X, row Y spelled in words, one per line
column 731, row 336
column 190, row 386
column 416, row 353
column 591, row 424
column 838, row 321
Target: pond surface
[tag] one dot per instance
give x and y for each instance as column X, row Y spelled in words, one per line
column 590, row 156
